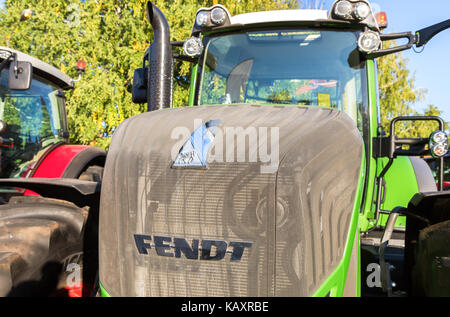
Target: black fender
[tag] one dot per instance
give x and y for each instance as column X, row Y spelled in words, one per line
column 80, row 192
column 88, row 157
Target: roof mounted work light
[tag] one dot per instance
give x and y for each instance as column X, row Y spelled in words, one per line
column 202, row 18
column 343, row 9
column 208, row 18
column 362, row 10
column 354, row 11
column 218, row 16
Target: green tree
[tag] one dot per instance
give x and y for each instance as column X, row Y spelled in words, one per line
column 399, row 97
column 111, row 36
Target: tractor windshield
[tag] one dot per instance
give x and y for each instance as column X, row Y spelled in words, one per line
column 291, row 67
column 33, row 120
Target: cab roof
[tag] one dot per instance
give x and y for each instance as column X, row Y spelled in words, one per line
column 41, row 68
column 279, row 16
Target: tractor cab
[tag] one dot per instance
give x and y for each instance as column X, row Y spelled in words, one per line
column 287, row 63
column 32, row 112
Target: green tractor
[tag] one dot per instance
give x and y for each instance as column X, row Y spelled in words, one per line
column 276, row 179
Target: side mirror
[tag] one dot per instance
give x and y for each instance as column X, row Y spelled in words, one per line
column 392, row 146
column 140, row 82
column 20, row 74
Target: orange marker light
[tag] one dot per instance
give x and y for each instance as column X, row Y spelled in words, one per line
column 381, row 18
column 81, row 65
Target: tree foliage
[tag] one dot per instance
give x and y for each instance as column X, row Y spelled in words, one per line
column 399, row 97
column 111, row 36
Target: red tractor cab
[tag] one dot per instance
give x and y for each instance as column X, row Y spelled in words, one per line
column 34, row 134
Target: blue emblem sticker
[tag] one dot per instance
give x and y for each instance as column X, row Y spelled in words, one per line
column 195, row 151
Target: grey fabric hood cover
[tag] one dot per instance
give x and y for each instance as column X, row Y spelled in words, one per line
column 168, row 231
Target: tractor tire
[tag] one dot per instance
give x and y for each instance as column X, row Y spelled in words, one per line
column 41, row 245
column 431, row 271
column 93, row 173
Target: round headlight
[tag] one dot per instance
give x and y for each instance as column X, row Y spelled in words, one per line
column 343, row 9
column 362, row 10
column 369, row 42
column 218, row 16
column 202, row 18
column 438, row 137
column 193, row 47
column 439, row 150
column 438, row 143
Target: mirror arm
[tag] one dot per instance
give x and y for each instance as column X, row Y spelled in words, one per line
column 424, row 35
column 177, row 43
column 182, row 57
column 419, row 39
column 186, row 58
column 394, row 36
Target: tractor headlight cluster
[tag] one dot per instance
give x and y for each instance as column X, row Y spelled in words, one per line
column 438, row 144
column 214, row 16
column 369, row 42
column 352, row 10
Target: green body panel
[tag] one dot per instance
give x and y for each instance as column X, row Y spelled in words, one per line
column 401, row 183
column 367, row 210
column 103, row 292
column 193, row 85
column 401, row 186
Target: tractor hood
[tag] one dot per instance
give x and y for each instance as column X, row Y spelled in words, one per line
column 238, row 200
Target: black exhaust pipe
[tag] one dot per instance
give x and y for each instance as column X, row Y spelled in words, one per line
column 160, row 70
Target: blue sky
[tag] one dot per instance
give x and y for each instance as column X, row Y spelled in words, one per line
column 432, row 66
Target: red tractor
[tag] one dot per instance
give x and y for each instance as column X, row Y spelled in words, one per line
column 34, row 143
